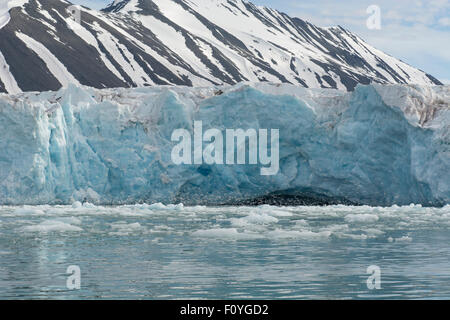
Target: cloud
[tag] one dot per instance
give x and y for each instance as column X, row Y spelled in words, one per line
column 444, row 22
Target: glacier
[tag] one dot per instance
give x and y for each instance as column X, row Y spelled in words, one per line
column 380, row 145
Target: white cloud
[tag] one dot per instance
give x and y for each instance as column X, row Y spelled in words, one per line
column 444, row 22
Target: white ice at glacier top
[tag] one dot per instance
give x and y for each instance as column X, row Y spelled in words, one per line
column 378, row 145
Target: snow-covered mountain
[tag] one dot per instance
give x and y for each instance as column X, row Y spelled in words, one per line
column 182, row 42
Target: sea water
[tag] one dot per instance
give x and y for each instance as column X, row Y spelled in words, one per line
column 176, row 252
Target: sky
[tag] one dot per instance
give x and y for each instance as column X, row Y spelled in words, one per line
column 415, row 31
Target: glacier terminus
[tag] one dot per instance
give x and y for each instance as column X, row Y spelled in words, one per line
column 379, row 145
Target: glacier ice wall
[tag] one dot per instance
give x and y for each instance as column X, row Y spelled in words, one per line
column 378, row 145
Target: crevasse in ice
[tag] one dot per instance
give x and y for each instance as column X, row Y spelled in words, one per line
column 378, row 145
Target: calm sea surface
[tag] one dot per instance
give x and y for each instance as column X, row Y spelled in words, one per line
column 177, row 252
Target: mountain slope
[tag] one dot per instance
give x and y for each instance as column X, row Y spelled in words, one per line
column 183, row 42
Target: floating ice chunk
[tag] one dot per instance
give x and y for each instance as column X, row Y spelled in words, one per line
column 225, row 234
column 217, row 233
column 374, row 232
column 356, row 236
column 401, row 239
column 28, row 211
column 404, row 239
column 301, row 223
column 361, row 218
column 70, row 220
column 52, row 226
column 125, row 226
column 161, row 206
column 77, row 204
column 306, row 235
column 124, row 229
column 275, row 211
column 255, row 218
column 158, row 205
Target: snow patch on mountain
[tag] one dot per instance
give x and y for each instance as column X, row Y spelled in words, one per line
column 54, row 65
column 4, row 19
column 5, row 6
column 7, row 78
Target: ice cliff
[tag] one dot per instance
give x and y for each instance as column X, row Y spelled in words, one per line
column 378, row 145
